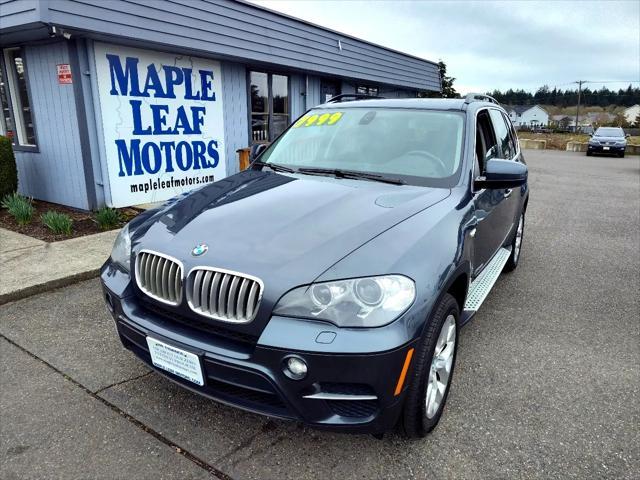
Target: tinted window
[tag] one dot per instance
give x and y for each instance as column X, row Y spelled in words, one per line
column 503, row 136
column 417, row 144
column 486, row 146
column 512, row 131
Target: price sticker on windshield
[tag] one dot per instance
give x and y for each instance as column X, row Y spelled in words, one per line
column 318, row 120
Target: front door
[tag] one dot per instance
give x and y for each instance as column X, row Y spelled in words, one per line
column 490, row 204
column 328, row 89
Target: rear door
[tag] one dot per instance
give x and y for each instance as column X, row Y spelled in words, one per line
column 508, row 151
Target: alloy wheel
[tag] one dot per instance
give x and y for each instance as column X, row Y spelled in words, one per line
column 441, row 365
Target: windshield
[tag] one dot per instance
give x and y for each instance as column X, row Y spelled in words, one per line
column 609, row 132
column 421, row 147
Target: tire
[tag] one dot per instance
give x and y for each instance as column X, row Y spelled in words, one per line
column 589, row 153
column 416, row 420
column 516, row 246
column 621, row 155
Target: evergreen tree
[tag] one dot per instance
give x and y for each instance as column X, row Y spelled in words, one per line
column 448, row 90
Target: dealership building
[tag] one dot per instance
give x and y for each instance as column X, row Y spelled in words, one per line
column 132, row 102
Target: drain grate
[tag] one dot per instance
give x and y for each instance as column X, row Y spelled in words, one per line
column 481, row 286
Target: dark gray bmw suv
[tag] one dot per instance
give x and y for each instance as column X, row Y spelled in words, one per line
column 328, row 282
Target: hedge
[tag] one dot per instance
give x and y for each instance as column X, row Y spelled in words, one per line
column 8, row 169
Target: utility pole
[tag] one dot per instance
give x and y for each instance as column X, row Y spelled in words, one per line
column 579, row 82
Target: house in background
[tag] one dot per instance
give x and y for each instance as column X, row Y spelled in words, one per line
column 631, row 114
column 561, row 121
column 531, row 116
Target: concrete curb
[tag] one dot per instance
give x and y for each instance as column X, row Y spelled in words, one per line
column 531, row 144
column 46, row 286
column 31, row 266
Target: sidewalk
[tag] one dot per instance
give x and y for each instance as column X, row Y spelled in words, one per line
column 30, row 266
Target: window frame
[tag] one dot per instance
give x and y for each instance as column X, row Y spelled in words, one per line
column 270, row 115
column 17, row 143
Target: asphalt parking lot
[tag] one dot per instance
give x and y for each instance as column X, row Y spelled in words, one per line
column 547, row 383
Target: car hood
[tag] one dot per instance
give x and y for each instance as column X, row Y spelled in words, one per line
column 283, row 229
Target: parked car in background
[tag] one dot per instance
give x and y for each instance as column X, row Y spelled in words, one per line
column 608, row 140
column 329, row 281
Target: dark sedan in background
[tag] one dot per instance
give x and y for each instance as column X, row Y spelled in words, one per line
column 609, row 141
column 327, row 283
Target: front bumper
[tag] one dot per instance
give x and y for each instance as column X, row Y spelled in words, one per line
column 251, row 376
column 606, row 149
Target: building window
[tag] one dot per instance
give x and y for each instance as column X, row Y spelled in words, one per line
column 270, row 114
column 367, row 90
column 6, row 124
column 24, row 133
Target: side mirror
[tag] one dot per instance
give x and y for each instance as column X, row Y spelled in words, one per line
column 256, row 150
column 503, row 174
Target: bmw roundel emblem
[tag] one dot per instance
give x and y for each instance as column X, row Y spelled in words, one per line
column 200, row 249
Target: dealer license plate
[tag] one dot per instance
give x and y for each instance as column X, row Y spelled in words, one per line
column 174, row 360
column 606, row 148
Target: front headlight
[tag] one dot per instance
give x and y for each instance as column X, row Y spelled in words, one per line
column 594, row 142
column 121, row 252
column 358, row 302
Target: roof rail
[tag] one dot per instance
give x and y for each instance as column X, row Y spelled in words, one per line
column 353, row 96
column 479, row 97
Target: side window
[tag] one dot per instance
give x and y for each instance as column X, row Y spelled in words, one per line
column 503, row 135
column 486, row 145
column 512, row 131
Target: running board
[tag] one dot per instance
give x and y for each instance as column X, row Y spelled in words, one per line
column 482, row 285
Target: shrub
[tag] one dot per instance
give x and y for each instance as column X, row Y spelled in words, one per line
column 19, row 207
column 57, row 222
column 108, row 218
column 8, row 170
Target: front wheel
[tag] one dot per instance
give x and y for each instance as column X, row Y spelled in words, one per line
column 516, row 246
column 433, row 371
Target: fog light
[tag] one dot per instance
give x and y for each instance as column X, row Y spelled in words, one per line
column 295, row 368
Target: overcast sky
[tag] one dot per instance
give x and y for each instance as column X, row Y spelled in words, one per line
column 487, row 45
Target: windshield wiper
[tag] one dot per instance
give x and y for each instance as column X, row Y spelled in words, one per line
column 274, row 166
column 339, row 173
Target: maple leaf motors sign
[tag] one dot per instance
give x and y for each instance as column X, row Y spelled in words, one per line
column 162, row 122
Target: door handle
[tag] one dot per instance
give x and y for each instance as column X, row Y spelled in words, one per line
column 508, row 192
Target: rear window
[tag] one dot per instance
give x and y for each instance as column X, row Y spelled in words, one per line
column 422, row 147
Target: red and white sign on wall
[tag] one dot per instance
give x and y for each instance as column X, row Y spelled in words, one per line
column 64, row 73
